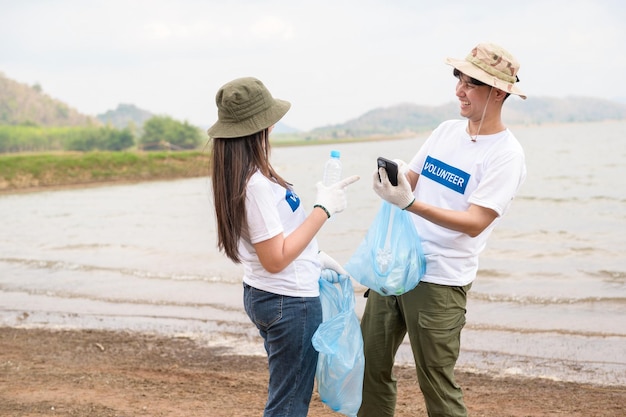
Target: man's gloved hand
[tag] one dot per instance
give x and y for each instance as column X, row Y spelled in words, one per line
column 400, row 195
column 332, row 271
column 333, row 198
column 403, row 168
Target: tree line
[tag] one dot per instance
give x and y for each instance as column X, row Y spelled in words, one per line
column 159, row 133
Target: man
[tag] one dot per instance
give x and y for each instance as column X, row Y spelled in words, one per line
column 458, row 186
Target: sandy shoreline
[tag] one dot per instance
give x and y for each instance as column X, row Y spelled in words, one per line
column 107, row 374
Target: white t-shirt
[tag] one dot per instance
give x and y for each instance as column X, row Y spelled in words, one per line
column 454, row 173
column 271, row 209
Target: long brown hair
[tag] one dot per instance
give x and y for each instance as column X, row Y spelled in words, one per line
column 234, row 160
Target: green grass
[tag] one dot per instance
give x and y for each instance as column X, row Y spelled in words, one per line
column 58, row 169
column 54, row 169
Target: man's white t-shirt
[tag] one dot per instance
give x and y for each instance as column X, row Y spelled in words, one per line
column 270, row 210
column 454, row 173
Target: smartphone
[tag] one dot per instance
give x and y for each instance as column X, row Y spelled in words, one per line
column 391, row 168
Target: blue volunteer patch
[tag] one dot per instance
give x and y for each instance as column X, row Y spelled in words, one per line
column 292, row 199
column 446, row 175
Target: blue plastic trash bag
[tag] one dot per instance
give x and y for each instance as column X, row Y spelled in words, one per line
column 339, row 342
column 390, row 260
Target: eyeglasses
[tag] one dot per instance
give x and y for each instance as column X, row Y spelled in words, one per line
column 466, row 81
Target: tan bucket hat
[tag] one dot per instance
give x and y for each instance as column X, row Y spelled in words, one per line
column 244, row 107
column 491, row 64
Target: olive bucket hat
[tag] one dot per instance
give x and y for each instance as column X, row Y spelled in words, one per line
column 244, row 107
column 491, row 64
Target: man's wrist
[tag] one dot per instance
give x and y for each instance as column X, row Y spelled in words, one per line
column 410, row 204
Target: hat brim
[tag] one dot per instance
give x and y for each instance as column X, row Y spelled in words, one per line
column 252, row 125
column 473, row 71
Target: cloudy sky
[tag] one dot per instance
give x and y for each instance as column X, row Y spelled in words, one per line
column 332, row 59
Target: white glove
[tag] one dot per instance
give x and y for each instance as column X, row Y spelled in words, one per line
column 400, row 195
column 403, row 168
column 332, row 271
column 333, row 198
column 332, row 276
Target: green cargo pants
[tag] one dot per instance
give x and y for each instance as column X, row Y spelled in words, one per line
column 433, row 315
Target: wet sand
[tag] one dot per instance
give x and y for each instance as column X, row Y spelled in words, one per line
column 114, row 374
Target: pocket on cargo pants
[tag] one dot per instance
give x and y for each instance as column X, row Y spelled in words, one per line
column 440, row 336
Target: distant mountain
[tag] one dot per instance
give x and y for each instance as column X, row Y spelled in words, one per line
column 537, row 110
column 401, row 118
column 409, row 118
column 283, row 128
column 21, row 104
column 125, row 115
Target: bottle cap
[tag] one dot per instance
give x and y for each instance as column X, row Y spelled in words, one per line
column 335, row 154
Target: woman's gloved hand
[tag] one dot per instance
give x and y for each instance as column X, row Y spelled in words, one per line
column 400, row 195
column 332, row 276
column 332, row 199
column 332, row 271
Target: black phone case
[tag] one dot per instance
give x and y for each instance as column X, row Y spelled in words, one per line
column 391, row 168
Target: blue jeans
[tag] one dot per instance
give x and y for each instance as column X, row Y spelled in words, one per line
column 287, row 325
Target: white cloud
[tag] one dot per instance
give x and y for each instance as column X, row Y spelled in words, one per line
column 334, row 60
column 270, row 28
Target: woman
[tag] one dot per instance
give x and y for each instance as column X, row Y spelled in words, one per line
column 262, row 225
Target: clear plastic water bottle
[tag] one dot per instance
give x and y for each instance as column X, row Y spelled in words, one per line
column 332, row 169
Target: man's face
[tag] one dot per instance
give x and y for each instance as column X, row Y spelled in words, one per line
column 472, row 97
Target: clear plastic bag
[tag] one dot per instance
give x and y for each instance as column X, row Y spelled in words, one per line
column 390, row 260
column 339, row 342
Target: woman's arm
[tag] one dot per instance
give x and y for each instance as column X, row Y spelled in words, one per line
column 278, row 252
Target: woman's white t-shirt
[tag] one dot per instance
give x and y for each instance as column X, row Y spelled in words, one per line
column 454, row 173
column 270, row 210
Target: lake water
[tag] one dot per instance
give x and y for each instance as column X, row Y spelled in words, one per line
column 549, row 299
